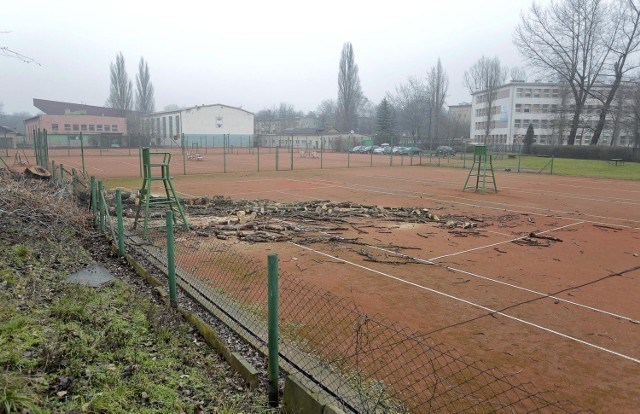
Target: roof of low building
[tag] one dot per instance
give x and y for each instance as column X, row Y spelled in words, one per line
column 7, row 130
column 66, row 108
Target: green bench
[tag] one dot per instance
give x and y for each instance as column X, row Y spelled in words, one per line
column 616, row 161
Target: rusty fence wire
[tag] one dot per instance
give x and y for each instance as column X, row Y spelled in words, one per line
column 360, row 363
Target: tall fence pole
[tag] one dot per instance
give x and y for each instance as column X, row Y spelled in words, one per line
column 46, row 146
column 35, row 146
column 258, row 151
column 171, row 260
column 94, row 198
column 552, row 164
column 321, row 150
column 291, row 152
column 101, row 207
column 273, row 328
column 82, row 153
column 120, row 222
column 277, row 157
column 184, row 161
column 225, row 144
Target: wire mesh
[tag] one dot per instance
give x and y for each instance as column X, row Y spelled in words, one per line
column 361, row 363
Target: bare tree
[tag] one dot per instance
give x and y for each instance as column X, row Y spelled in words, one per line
column 349, row 90
column 625, row 40
column 145, row 100
column 121, row 91
column 486, row 76
column 566, row 40
column 518, row 74
column 411, row 101
column 438, row 84
column 328, row 112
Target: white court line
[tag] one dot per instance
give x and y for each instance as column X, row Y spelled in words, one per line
column 503, row 242
column 491, row 311
column 446, row 198
column 541, row 294
column 79, row 165
column 514, row 189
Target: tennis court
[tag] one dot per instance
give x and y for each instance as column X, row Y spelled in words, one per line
column 543, row 283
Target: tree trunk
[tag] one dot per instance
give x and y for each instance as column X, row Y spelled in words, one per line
column 605, row 109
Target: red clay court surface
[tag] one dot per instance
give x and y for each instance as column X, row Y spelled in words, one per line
column 565, row 317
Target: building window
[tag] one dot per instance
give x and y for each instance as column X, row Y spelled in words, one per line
column 536, row 93
column 83, row 127
column 99, row 128
column 527, row 93
column 516, row 123
column 527, row 108
column 519, row 92
column 54, row 127
column 518, row 107
column 555, row 93
column 67, row 127
column 92, row 128
column 546, row 93
column 76, row 127
column 107, row 128
column 114, row 128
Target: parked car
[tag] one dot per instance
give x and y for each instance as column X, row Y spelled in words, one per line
column 367, row 149
column 357, row 148
column 379, row 150
column 445, row 151
column 411, row 151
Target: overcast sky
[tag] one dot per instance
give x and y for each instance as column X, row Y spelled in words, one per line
column 245, row 53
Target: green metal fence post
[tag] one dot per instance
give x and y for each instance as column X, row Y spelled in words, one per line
column 258, row 151
column 94, row 206
column 53, row 171
column 292, row 152
column 321, row 151
column 277, row 157
column 140, row 159
column 128, row 140
column 552, row 164
column 101, row 207
column 464, row 156
column 120, row 222
column 171, row 262
column 35, row 145
column 225, row 144
column 46, row 149
column 82, row 153
column 273, row 328
column 61, row 174
column 184, row 161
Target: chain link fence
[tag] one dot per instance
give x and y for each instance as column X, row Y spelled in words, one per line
column 360, row 363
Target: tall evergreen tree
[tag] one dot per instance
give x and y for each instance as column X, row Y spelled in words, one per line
column 384, row 122
column 121, row 90
column 349, row 90
column 528, row 139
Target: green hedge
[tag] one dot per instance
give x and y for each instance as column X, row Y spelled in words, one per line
column 587, row 152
